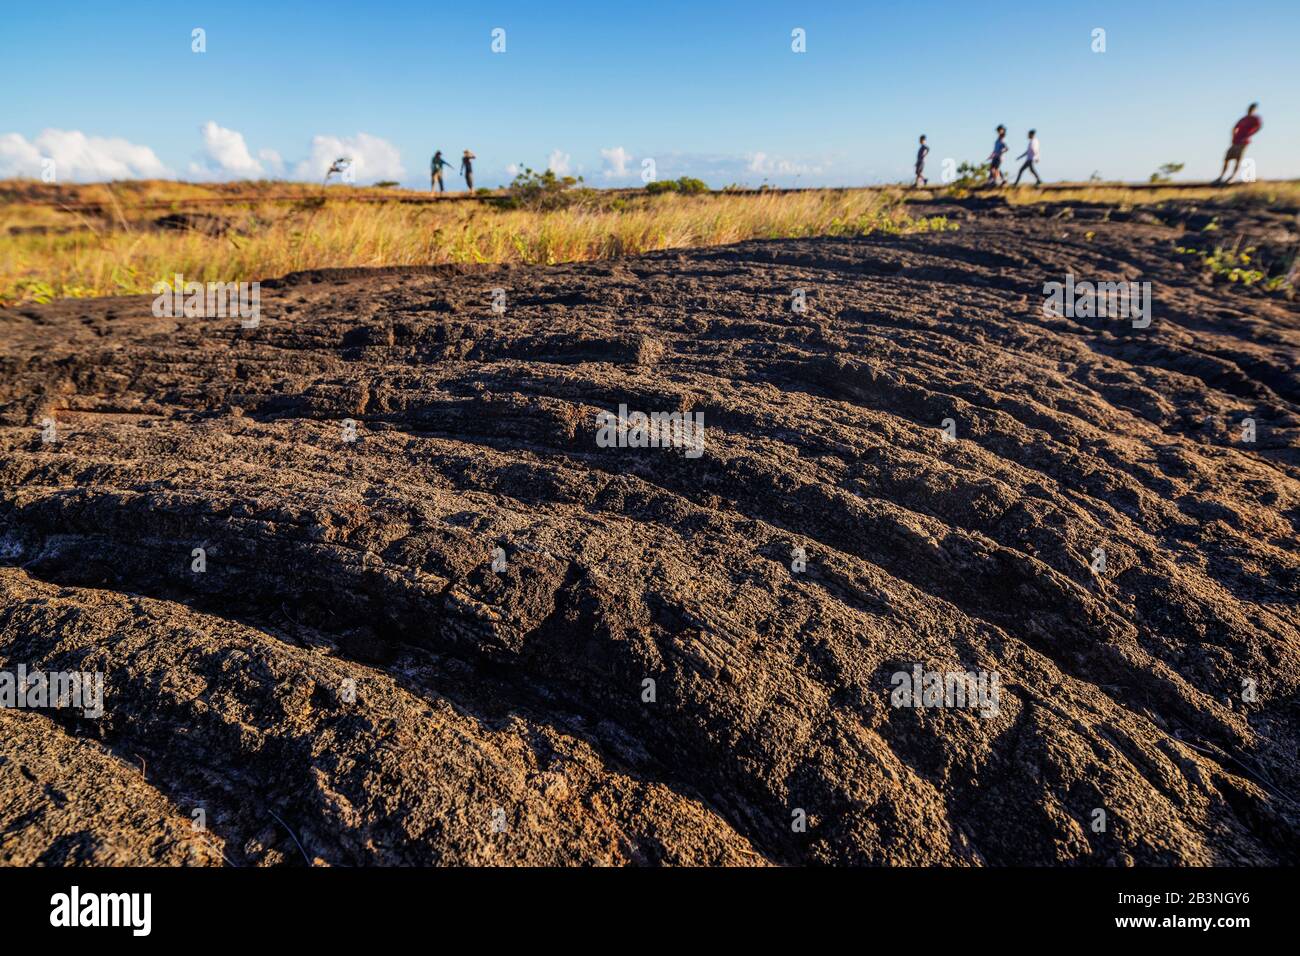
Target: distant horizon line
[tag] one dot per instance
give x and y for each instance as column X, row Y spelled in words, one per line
column 733, row 187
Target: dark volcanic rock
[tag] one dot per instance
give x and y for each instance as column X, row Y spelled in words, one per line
column 350, row 679
column 206, row 223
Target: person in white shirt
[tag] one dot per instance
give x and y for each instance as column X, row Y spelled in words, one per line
column 1030, row 156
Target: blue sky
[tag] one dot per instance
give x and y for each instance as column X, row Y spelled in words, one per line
column 706, row 89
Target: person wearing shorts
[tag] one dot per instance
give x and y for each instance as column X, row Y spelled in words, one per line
column 995, row 158
column 1246, row 127
column 921, row 153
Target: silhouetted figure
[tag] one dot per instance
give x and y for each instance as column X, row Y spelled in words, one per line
column 995, row 158
column 1246, row 127
column 467, row 169
column 921, row 153
column 1030, row 156
column 436, row 166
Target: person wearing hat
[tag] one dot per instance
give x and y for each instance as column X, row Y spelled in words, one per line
column 467, row 169
column 995, row 158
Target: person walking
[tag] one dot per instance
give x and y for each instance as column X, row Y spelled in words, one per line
column 467, row 169
column 995, row 158
column 436, row 166
column 1246, row 127
column 921, row 153
column 1030, row 156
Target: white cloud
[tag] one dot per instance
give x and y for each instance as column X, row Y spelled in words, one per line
column 750, row 169
column 225, row 155
column 78, row 157
column 372, row 158
column 766, row 165
column 18, row 157
column 558, row 163
column 271, row 159
column 512, row 169
column 616, row 160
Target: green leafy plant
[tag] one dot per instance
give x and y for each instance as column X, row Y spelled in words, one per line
column 883, row 221
column 1236, row 266
column 41, row 292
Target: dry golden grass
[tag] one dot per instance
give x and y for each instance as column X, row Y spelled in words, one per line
column 1270, row 193
column 116, row 254
column 49, row 248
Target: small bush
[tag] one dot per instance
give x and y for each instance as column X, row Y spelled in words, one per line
column 969, row 176
column 1166, row 172
column 533, row 190
column 686, row 185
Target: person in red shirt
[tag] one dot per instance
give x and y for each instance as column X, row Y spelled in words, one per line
column 1246, row 127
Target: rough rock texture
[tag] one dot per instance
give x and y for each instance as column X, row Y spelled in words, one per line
column 349, row 680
